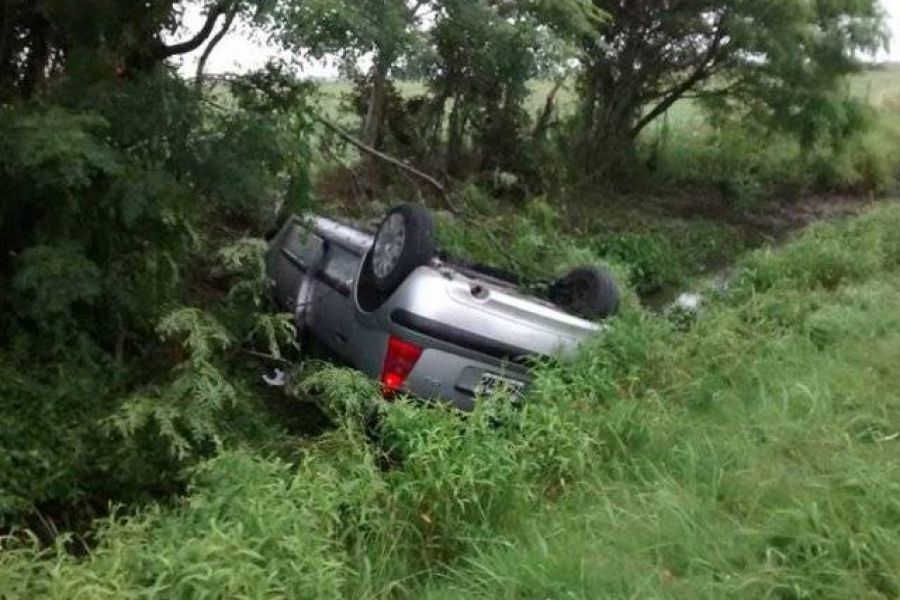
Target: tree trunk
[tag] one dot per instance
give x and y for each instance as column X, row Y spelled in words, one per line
column 543, row 122
column 455, row 136
column 606, row 152
column 374, row 123
column 375, row 114
column 6, row 52
column 38, row 55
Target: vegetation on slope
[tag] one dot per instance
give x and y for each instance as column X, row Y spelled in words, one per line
column 749, row 455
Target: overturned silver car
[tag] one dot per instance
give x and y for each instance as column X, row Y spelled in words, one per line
column 421, row 322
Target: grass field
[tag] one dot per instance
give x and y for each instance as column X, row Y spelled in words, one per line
column 749, row 454
column 879, row 87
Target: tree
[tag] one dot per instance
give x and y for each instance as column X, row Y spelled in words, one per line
column 112, row 164
column 485, row 53
column 381, row 30
column 40, row 39
column 780, row 60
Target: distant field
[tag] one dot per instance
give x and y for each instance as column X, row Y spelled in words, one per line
column 880, row 87
column 691, row 152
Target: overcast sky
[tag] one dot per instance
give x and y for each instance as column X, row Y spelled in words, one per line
column 240, row 51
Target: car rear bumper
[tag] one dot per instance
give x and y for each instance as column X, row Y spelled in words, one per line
column 447, row 376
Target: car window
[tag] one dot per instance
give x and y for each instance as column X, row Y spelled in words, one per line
column 341, row 264
column 306, row 245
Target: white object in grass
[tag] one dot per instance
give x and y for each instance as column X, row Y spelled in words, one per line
column 278, row 378
column 689, row 302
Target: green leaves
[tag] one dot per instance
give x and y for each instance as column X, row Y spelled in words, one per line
column 195, row 411
column 346, row 27
column 200, row 335
column 63, row 147
column 569, row 17
column 274, row 333
column 780, row 63
column 52, row 280
column 187, row 411
column 245, row 260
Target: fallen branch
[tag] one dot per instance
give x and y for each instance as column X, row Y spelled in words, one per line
column 267, row 357
column 396, row 162
column 424, row 176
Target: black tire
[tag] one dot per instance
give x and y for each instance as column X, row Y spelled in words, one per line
column 588, row 292
column 417, row 249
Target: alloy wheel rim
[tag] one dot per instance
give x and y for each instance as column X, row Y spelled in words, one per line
column 389, row 245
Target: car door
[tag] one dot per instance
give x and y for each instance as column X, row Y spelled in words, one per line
column 331, row 314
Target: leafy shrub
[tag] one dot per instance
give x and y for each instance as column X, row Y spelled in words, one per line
column 739, row 164
column 51, row 281
column 863, row 163
column 362, row 510
column 194, row 410
column 53, row 452
column 185, row 412
column 116, row 193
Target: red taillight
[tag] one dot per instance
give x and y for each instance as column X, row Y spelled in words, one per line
column 399, row 361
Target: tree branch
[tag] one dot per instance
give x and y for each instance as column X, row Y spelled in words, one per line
column 414, row 11
column 718, row 92
column 543, row 121
column 403, row 166
column 702, row 72
column 201, row 64
column 163, row 51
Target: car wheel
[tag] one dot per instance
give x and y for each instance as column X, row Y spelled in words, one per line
column 404, row 242
column 588, row 292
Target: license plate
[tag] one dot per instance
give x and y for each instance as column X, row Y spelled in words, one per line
column 490, row 384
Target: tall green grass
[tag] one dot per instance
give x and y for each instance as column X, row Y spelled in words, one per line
column 653, row 254
column 752, row 455
column 768, row 464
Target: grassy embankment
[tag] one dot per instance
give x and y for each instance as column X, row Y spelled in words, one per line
column 752, row 454
column 759, row 458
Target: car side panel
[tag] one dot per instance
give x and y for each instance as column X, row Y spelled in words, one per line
column 332, row 308
column 294, row 254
